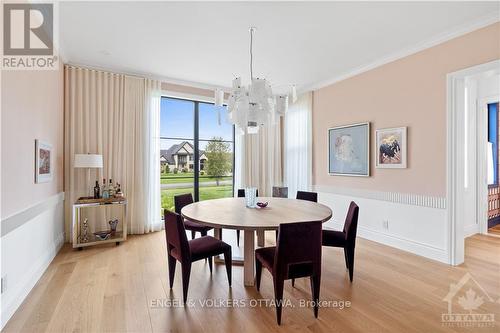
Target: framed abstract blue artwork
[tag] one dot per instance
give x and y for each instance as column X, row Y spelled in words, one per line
column 349, row 150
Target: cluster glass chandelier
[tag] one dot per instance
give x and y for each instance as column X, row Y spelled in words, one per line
column 252, row 107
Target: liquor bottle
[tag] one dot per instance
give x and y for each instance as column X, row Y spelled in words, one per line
column 105, row 193
column 111, row 189
column 97, row 190
column 118, row 191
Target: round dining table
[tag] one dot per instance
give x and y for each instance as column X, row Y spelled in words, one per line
column 231, row 213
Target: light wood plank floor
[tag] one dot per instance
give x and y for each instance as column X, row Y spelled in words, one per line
column 494, row 230
column 113, row 289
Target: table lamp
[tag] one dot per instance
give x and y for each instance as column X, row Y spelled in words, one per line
column 88, row 161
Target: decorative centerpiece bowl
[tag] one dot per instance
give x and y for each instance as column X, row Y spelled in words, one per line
column 102, row 235
column 262, row 204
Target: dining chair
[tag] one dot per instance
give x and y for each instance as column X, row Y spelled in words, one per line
column 309, row 196
column 187, row 252
column 241, row 194
column 297, row 254
column 182, row 200
column 303, row 195
column 346, row 238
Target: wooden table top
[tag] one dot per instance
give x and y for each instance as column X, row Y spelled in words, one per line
column 231, row 213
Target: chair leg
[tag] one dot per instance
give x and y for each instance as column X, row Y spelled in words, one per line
column 228, row 260
column 346, row 259
column 238, row 238
column 171, row 269
column 315, row 286
column 186, row 272
column 278, row 296
column 210, row 264
column 258, row 273
column 350, row 256
column 204, row 233
column 193, row 234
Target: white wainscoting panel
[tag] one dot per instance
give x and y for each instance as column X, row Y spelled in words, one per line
column 27, row 251
column 415, row 224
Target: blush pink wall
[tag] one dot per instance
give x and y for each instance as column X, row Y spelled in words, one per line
column 407, row 92
column 32, row 108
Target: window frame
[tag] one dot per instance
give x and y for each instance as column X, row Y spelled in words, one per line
column 196, row 140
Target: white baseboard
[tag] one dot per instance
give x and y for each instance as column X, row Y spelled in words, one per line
column 407, row 245
column 417, row 228
column 27, row 251
column 11, row 303
column 470, row 230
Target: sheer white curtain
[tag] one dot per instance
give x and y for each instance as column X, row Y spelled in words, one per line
column 116, row 116
column 298, row 145
column 258, row 159
column 142, row 123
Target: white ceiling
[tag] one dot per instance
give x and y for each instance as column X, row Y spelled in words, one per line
column 308, row 44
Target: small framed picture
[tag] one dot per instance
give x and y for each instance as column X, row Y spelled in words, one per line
column 349, row 150
column 43, row 162
column 391, row 148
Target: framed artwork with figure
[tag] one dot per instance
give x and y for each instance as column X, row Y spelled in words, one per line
column 43, row 162
column 349, row 150
column 391, row 146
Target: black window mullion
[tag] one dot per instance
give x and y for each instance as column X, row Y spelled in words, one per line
column 196, row 162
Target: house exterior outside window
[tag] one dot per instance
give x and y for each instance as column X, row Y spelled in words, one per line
column 181, row 156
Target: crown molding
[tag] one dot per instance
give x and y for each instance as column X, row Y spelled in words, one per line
column 426, row 44
column 163, row 79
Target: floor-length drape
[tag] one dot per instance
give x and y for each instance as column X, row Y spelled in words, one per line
column 116, row 116
column 258, row 159
column 298, row 145
column 142, row 185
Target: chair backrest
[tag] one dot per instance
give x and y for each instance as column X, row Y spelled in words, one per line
column 351, row 222
column 182, row 200
column 309, row 196
column 298, row 250
column 176, row 235
column 241, row 193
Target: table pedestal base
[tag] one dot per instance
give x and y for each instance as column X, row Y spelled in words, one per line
column 248, row 260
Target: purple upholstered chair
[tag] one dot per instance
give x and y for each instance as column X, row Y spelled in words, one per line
column 298, row 254
column 309, row 196
column 182, row 200
column 186, row 252
column 346, row 238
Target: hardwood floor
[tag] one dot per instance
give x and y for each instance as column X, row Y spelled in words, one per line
column 115, row 289
column 495, row 230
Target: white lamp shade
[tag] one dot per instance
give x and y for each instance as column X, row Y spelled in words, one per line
column 88, row 161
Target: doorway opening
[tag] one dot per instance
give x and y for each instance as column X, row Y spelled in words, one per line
column 493, row 150
column 471, row 143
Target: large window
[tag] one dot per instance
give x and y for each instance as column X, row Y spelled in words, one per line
column 197, row 153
